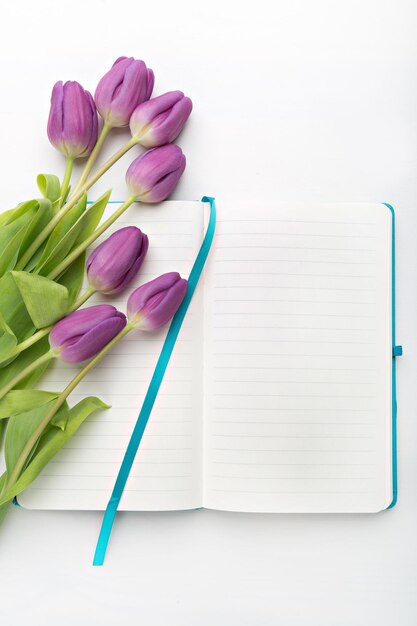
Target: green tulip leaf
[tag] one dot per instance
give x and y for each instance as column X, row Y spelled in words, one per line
column 49, row 186
column 46, row 301
column 92, row 217
column 42, row 216
column 3, row 510
column 61, row 417
column 17, row 214
column 10, row 253
column 8, row 340
column 31, row 265
column 58, row 247
column 73, row 278
column 6, row 217
column 19, row 429
column 25, row 223
column 10, row 370
column 16, row 224
column 11, row 238
column 50, row 443
column 19, row 401
column 13, row 309
column 22, row 426
column 62, row 238
column 2, row 423
column 3, row 479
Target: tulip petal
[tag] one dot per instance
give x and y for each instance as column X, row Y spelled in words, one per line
column 108, row 84
column 159, row 121
column 153, row 304
column 157, row 314
column 90, row 343
column 134, row 269
column 164, row 187
column 79, row 322
column 115, row 262
column 153, row 175
column 151, row 82
column 138, row 298
column 125, row 85
column 72, row 123
column 147, row 111
column 56, row 116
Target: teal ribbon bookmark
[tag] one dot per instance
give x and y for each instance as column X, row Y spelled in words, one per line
column 167, row 348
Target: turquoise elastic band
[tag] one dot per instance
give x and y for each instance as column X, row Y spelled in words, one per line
column 167, row 348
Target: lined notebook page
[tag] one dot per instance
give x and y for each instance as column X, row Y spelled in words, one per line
column 298, row 360
column 167, row 471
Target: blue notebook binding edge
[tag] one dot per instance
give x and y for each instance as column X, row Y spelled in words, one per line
column 396, row 351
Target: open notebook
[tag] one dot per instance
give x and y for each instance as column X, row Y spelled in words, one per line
column 279, row 395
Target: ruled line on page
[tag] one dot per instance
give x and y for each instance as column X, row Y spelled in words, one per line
column 298, row 437
column 325, row 341
column 114, row 474
column 294, row 423
column 289, row 382
column 293, row 300
column 273, row 367
column 298, row 354
column 124, row 448
column 294, row 464
column 305, row 261
column 95, row 489
column 303, row 450
column 314, row 275
column 277, row 327
column 298, row 221
column 287, row 409
column 252, row 234
column 274, row 247
column 115, row 463
column 299, row 287
column 247, row 313
column 250, row 477
column 258, row 492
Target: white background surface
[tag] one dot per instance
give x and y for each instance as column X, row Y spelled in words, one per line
column 295, row 100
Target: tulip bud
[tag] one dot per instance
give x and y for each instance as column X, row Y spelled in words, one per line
column 82, row 334
column 160, row 120
column 154, row 175
column 72, row 123
column 153, row 304
column 117, row 260
column 128, row 83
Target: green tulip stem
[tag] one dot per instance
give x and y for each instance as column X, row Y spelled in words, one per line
column 82, row 299
column 26, row 371
column 92, row 158
column 23, row 345
column 31, row 442
column 66, row 180
column 32, row 249
column 87, row 242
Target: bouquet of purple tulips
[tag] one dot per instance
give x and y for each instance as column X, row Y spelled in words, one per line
column 43, row 245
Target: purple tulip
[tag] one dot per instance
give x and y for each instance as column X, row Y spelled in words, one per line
column 128, row 83
column 82, row 334
column 154, row 175
column 116, row 261
column 72, row 123
column 160, row 120
column 153, row 304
